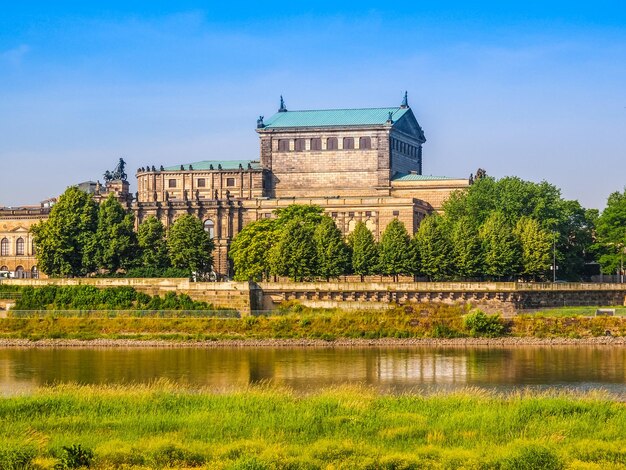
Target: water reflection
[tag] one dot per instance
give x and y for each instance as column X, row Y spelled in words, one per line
column 387, row 369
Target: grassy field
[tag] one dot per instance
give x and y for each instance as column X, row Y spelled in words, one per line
column 577, row 311
column 162, row 426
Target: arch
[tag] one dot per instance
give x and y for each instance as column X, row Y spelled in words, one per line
column 351, row 226
column 19, row 247
column 365, row 143
column 371, row 225
column 4, row 268
column 4, row 247
column 209, row 227
column 34, row 272
column 19, row 272
column 331, row 143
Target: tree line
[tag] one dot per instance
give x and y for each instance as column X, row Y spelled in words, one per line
column 82, row 238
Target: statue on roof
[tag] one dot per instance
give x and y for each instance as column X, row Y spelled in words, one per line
column 405, row 100
column 118, row 173
column 283, row 108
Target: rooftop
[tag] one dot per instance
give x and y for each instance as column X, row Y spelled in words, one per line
column 334, row 117
column 216, row 164
column 414, row 177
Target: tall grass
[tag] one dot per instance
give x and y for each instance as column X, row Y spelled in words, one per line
column 163, row 425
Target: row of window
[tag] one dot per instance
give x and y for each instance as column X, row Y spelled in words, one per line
column 20, row 273
column 201, row 182
column 19, row 247
column 332, row 143
column 404, row 148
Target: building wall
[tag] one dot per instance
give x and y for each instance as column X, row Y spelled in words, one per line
column 15, row 225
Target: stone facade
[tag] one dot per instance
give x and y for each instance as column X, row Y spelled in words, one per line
column 17, row 253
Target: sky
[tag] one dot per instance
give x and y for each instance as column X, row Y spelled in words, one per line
column 534, row 89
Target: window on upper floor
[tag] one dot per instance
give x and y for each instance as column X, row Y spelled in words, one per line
column 201, row 183
column 230, row 181
column 209, row 227
column 283, row 145
column 171, row 183
column 348, row 143
column 4, row 247
column 331, row 143
column 19, row 247
column 300, row 145
column 316, row 144
column 365, row 143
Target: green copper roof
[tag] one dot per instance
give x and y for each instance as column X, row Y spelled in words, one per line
column 412, row 177
column 334, row 117
column 226, row 165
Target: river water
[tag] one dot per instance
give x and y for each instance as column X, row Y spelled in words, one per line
column 387, row 369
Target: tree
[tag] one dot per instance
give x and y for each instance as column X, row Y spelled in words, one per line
column 467, row 256
column 250, row 250
column 535, row 246
column 189, row 246
column 435, row 253
column 395, row 250
column 65, row 241
column 364, row 251
column 116, row 240
column 152, row 244
column 611, row 233
column 295, row 254
column 332, row 253
column 500, row 247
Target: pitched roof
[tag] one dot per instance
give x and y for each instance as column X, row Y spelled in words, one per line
column 334, row 117
column 414, row 177
column 226, row 165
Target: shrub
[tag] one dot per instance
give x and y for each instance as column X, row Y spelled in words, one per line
column 75, row 456
column 478, row 323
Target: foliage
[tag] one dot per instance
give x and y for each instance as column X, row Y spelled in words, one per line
column 433, row 247
column 500, row 247
column 189, row 245
column 478, row 323
column 535, row 247
column 75, row 456
column 250, row 250
column 308, row 213
column 333, row 256
column 465, row 246
column 153, row 272
column 17, row 456
column 295, row 254
column 152, row 245
column 396, row 254
column 115, row 240
column 65, row 242
column 611, row 233
column 364, row 250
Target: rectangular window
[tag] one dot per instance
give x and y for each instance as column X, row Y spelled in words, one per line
column 365, row 143
column 396, row 213
column 331, row 143
column 283, row 145
column 201, row 183
column 268, row 215
column 334, row 215
column 348, row 143
column 316, row 144
column 171, row 184
column 368, row 213
column 230, row 181
column 300, row 145
column 350, row 214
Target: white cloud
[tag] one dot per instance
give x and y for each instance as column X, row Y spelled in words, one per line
column 15, row 56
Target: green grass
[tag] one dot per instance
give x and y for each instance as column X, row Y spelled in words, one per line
column 163, row 425
column 577, row 311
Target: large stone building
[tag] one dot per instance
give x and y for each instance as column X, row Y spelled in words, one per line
column 357, row 164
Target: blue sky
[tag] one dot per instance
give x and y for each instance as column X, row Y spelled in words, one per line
column 536, row 89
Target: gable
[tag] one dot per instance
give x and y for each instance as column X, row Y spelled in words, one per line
column 409, row 125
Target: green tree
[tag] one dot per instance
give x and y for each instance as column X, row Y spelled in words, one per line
column 466, row 249
column 536, row 248
column 250, row 250
column 307, row 213
column 435, row 254
column 500, row 247
column 364, row 251
column 332, row 253
column 295, row 254
column 65, row 241
column 116, row 240
column 152, row 244
column 189, row 246
column 611, row 233
column 396, row 255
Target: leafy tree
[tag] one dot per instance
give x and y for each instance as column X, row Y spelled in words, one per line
column 152, row 244
column 65, row 241
column 611, row 233
column 116, row 240
column 295, row 254
column 332, row 253
column 500, row 247
column 435, row 253
column 189, row 245
column 250, row 250
column 536, row 247
column 364, row 251
column 396, row 255
column 310, row 214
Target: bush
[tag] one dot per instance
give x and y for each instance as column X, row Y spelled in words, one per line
column 75, row 456
column 157, row 272
column 478, row 323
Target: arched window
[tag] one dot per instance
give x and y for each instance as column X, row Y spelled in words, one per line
column 4, row 268
column 34, row 272
column 4, row 247
column 348, row 143
column 19, row 272
column 209, row 227
column 316, row 144
column 300, row 145
column 283, row 145
column 351, row 225
column 365, row 143
column 19, row 247
column 331, row 143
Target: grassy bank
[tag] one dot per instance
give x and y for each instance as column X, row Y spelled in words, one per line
column 163, row 426
column 297, row 322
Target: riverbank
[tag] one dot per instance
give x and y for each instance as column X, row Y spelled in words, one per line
column 504, row 342
column 166, row 426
